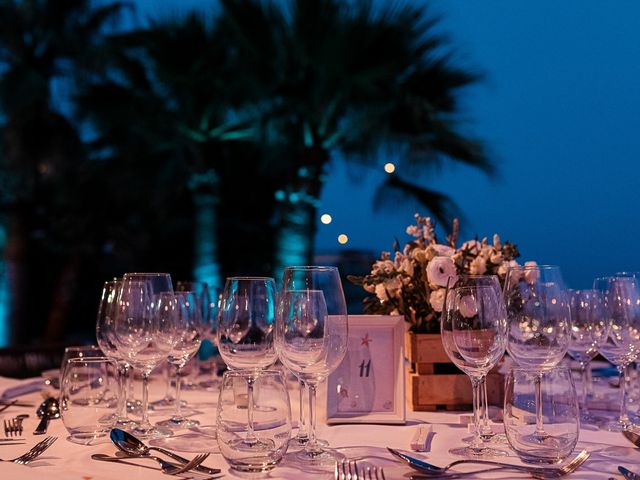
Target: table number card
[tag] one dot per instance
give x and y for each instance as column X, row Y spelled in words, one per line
column 368, row 386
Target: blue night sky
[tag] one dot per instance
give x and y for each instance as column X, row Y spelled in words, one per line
column 559, row 110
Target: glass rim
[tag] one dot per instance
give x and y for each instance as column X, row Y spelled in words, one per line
column 146, row 274
column 532, row 371
column 100, row 359
column 312, row 268
column 534, row 267
column 250, row 277
column 243, row 372
column 79, row 347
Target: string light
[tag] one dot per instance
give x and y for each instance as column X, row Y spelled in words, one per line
column 389, row 167
column 326, row 218
column 342, row 239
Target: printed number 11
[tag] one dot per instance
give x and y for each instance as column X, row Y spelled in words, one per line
column 365, row 367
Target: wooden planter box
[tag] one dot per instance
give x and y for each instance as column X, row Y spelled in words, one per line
column 435, row 383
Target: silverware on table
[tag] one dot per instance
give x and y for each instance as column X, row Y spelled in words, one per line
column 7, row 405
column 132, row 446
column 46, row 411
column 13, row 426
column 166, row 467
column 349, row 470
column 628, row 474
column 431, row 470
column 37, row 450
column 633, row 437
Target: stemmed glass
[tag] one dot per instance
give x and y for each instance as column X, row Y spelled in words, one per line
column 137, row 335
column 473, row 331
column 539, row 326
column 245, row 337
column 588, row 332
column 105, row 337
column 311, row 336
column 178, row 318
column 622, row 344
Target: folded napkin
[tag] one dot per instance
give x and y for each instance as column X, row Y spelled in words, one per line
column 23, row 387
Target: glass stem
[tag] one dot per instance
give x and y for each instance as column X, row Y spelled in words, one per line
column 585, row 387
column 123, row 412
column 539, row 420
column 302, row 427
column 145, row 400
column 167, row 393
column 312, row 448
column 250, row 439
column 178, row 412
column 476, row 443
column 486, row 432
column 624, row 418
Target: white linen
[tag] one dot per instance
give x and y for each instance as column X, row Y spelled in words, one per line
column 69, row 461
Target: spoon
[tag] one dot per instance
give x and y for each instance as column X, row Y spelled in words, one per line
column 134, row 447
column 632, row 437
column 166, row 467
column 47, row 410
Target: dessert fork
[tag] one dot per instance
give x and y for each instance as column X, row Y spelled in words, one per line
column 348, row 470
column 37, row 450
column 13, row 427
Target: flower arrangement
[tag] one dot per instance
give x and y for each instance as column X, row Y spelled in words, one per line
column 413, row 282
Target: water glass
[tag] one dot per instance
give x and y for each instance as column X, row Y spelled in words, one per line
column 85, row 407
column 561, row 414
column 261, row 445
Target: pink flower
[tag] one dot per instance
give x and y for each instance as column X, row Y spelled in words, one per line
column 439, row 269
column 436, row 299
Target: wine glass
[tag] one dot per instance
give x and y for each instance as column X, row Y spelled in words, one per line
column 538, row 325
column 245, row 337
column 137, row 336
column 588, row 332
column 621, row 346
column 311, row 336
column 473, row 331
column 178, row 318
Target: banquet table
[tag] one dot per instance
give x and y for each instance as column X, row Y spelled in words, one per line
column 363, row 442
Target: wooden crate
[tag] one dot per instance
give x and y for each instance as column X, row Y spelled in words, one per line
column 431, row 389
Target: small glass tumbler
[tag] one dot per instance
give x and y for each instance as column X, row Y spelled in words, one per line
column 262, row 449
column 86, row 410
column 559, row 409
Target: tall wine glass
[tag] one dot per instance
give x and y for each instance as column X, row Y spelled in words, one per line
column 105, row 337
column 588, row 332
column 621, row 298
column 178, row 326
column 137, row 336
column 538, row 324
column 311, row 336
column 473, row 330
column 245, row 336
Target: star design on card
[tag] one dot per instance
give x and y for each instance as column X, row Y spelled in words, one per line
column 344, row 393
column 366, row 340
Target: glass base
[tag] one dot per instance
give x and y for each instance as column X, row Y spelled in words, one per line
column 176, row 423
column 483, row 451
column 318, row 458
column 253, row 445
column 89, row 438
column 151, row 431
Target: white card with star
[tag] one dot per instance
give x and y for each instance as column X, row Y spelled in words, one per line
column 368, row 386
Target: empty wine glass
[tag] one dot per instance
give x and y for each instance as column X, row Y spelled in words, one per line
column 178, row 318
column 137, row 336
column 245, row 337
column 538, row 324
column 588, row 331
column 473, row 331
column 311, row 336
column 621, row 347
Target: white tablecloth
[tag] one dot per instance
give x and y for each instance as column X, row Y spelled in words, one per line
column 69, row 461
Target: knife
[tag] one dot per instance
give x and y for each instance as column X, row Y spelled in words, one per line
column 628, row 474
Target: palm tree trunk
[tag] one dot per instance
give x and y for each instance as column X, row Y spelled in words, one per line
column 206, row 266
column 298, row 208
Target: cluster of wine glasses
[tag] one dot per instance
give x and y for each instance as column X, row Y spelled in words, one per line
column 142, row 322
column 537, row 320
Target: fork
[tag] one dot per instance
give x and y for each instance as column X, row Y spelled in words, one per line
column 372, row 473
column 346, row 470
column 13, row 427
column 37, row 450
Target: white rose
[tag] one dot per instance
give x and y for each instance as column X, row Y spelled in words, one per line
column 443, row 250
column 419, row 255
column 436, row 299
column 502, row 269
column 467, row 306
column 478, row 266
column 439, row 269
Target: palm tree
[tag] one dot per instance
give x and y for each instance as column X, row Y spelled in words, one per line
column 40, row 42
column 348, row 77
